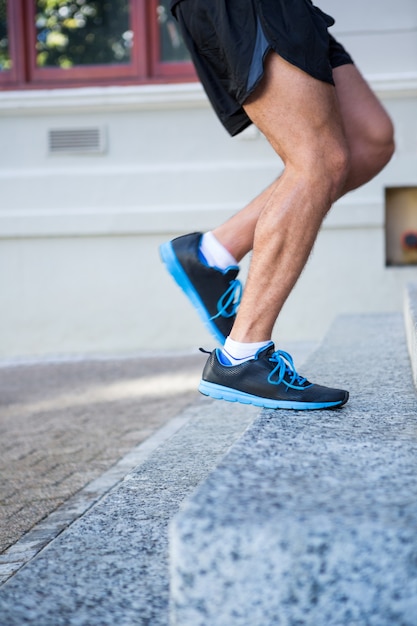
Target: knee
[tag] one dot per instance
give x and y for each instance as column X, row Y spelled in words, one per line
column 379, row 141
column 321, row 173
column 338, row 168
column 332, row 168
column 386, row 141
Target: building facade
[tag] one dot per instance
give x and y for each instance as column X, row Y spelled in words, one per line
column 96, row 174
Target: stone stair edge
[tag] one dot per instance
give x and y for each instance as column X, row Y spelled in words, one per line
column 410, row 320
column 207, row 531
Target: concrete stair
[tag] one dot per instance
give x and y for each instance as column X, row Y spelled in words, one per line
column 410, row 318
column 110, row 567
column 273, row 517
column 311, row 518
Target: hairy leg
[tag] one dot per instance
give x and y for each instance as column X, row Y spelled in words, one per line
column 300, row 117
column 368, row 128
column 369, row 136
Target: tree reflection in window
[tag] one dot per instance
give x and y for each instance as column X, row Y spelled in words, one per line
column 172, row 48
column 5, row 61
column 82, row 32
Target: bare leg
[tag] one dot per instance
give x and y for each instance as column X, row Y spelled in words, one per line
column 368, row 129
column 369, row 137
column 300, row 117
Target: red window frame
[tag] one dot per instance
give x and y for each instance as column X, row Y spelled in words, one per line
column 145, row 66
column 158, row 68
column 14, row 31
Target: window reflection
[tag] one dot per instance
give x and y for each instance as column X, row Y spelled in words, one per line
column 172, row 46
column 82, row 32
column 5, row 61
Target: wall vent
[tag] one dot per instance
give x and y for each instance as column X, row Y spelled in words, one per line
column 77, row 141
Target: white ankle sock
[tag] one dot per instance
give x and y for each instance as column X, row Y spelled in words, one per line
column 215, row 253
column 237, row 352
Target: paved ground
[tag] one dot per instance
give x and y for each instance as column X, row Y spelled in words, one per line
column 64, row 424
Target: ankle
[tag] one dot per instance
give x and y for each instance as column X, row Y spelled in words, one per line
column 214, row 253
column 237, row 352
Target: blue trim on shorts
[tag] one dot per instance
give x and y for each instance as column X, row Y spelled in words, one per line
column 261, row 48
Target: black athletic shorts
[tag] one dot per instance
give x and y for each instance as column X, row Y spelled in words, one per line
column 229, row 39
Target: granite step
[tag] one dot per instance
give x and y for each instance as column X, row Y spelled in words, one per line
column 111, row 565
column 311, row 517
column 410, row 319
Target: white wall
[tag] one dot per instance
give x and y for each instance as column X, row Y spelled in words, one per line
column 79, row 234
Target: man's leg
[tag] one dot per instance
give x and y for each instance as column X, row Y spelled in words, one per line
column 369, row 136
column 300, row 117
column 214, row 291
column 368, row 129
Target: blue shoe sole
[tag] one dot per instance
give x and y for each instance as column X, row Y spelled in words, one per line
column 174, row 267
column 232, row 395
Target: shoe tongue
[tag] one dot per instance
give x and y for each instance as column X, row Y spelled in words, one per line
column 202, row 258
column 231, row 272
column 266, row 351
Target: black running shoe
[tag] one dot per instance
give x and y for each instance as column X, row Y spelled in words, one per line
column 269, row 380
column 213, row 292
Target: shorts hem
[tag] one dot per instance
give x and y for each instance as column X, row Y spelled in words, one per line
column 326, row 79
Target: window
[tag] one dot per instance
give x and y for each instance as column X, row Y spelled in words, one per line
column 5, row 61
column 56, row 43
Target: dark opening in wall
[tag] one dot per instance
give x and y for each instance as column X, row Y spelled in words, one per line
column 401, row 226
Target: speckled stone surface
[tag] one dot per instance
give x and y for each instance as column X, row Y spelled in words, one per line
column 110, row 567
column 410, row 317
column 311, row 518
